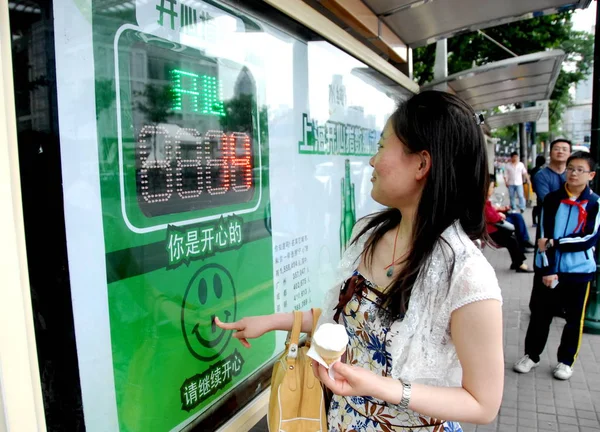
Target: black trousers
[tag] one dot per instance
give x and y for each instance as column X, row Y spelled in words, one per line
column 545, row 302
column 507, row 239
column 535, row 214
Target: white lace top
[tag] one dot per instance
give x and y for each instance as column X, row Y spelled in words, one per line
column 421, row 344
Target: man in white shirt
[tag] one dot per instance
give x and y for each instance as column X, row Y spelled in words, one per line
column 514, row 173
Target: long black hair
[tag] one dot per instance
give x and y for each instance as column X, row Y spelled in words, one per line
column 456, row 187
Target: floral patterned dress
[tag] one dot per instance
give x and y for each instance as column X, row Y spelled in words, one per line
column 367, row 325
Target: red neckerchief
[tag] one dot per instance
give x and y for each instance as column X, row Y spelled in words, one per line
column 582, row 212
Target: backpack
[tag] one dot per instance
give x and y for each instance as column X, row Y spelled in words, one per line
column 297, row 402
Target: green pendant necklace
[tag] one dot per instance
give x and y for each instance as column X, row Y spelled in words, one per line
column 390, row 268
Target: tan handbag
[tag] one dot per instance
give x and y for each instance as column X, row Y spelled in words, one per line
column 297, row 402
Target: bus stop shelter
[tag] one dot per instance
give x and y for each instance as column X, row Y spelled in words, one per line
column 517, row 116
column 526, row 78
column 393, row 27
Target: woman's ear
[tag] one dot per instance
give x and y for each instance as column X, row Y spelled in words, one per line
column 424, row 165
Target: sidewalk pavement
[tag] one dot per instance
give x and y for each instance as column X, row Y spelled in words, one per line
column 536, row 401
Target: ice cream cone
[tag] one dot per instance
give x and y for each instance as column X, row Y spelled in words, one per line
column 330, row 360
column 330, row 341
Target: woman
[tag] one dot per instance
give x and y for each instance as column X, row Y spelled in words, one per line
column 503, row 213
column 421, row 305
column 512, row 239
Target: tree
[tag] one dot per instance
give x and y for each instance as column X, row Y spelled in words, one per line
column 240, row 111
column 507, row 134
column 521, row 37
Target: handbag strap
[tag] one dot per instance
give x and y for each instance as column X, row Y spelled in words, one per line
column 294, row 335
column 294, row 339
column 316, row 313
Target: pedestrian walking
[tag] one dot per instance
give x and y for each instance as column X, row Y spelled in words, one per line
column 514, row 176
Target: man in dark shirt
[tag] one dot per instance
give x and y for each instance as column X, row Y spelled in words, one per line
column 545, row 181
column 552, row 177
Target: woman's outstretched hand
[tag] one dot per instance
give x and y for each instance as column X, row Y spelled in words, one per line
column 246, row 328
column 349, row 380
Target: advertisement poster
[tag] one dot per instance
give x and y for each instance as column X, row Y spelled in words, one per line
column 220, row 164
column 185, row 196
column 338, row 123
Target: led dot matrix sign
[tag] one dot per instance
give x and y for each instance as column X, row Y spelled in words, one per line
column 188, row 156
column 210, row 99
column 184, row 203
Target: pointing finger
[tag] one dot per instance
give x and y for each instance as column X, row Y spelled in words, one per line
column 226, row 326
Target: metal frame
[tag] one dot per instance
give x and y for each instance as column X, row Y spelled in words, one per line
column 312, row 19
column 20, row 387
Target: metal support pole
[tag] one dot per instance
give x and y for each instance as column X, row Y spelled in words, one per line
column 523, row 143
column 440, row 68
column 534, row 150
column 592, row 313
column 497, row 43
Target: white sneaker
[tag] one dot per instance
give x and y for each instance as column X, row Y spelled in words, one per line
column 525, row 364
column 563, row 371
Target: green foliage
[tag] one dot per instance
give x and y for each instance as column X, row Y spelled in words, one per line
column 579, row 47
column 521, row 37
column 237, row 116
column 507, row 133
column 237, row 110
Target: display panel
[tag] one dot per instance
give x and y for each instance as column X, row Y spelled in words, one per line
column 196, row 161
column 192, row 118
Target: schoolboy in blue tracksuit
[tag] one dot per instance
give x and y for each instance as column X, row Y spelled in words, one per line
column 566, row 261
